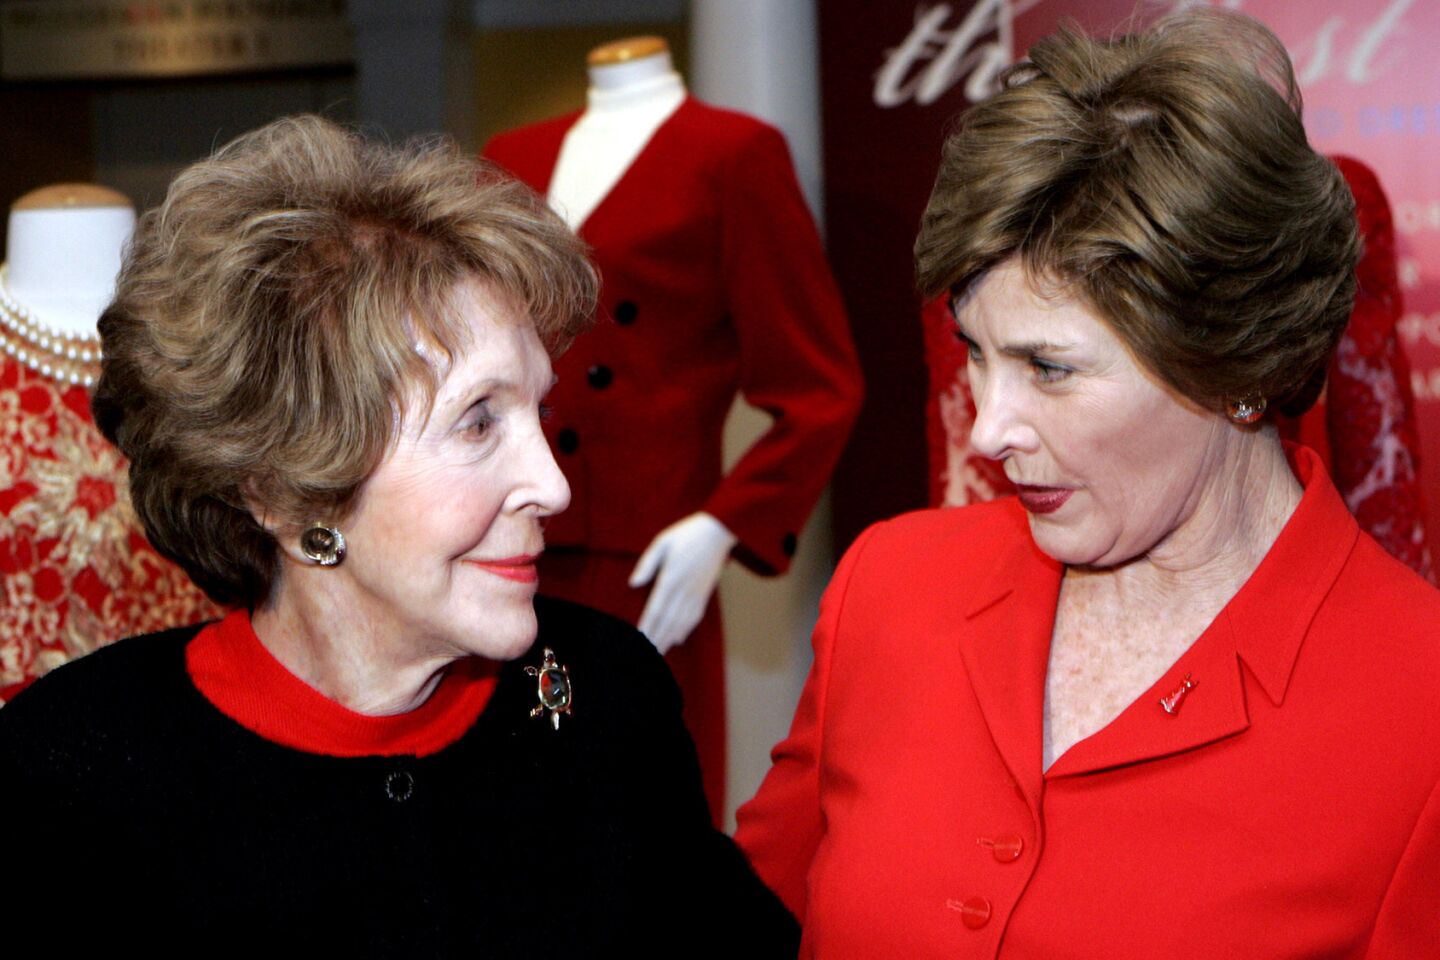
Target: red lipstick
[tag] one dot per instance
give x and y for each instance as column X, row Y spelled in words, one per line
column 521, row 569
column 1042, row 499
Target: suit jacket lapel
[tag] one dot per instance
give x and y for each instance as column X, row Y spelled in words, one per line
column 1005, row 644
column 1260, row 630
column 1212, row 709
column 635, row 170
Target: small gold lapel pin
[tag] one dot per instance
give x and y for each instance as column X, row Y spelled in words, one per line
column 552, row 687
column 1171, row 704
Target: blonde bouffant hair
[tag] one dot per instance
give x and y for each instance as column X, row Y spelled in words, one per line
column 1163, row 177
column 272, row 321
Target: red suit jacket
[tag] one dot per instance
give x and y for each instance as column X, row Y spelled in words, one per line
column 714, row 280
column 1287, row 809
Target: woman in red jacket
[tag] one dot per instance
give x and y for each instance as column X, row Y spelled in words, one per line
column 1167, row 701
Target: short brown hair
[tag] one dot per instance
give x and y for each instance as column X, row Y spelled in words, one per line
column 263, row 337
column 1165, row 178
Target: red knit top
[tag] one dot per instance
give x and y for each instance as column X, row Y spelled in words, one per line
column 235, row 672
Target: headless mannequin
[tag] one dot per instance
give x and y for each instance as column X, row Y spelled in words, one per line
column 63, row 246
column 633, row 90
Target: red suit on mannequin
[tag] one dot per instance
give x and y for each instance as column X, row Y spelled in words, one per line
column 714, row 281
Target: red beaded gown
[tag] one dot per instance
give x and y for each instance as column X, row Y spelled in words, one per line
column 76, row 569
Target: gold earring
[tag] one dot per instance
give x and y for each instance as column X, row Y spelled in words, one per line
column 324, row 545
column 1246, row 411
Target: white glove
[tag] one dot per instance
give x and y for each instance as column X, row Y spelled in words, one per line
column 684, row 560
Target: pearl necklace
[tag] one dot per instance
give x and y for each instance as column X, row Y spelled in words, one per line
column 67, row 357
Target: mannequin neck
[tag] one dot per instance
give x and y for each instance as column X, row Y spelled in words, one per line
column 62, row 262
column 622, row 86
column 628, row 103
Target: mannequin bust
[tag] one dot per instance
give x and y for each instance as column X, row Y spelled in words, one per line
column 633, row 90
column 80, row 575
column 63, row 244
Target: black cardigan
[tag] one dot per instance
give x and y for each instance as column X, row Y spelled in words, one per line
column 146, row 816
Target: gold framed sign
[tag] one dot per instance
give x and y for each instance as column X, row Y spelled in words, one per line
column 94, row 39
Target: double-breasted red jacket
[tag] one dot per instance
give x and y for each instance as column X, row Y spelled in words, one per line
column 713, row 281
column 1288, row 808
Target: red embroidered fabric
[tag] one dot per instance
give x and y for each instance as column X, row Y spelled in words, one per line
column 958, row 475
column 1363, row 427
column 1367, row 414
column 76, row 569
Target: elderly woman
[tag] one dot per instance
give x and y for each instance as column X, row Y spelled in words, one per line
column 327, row 362
column 1167, row 701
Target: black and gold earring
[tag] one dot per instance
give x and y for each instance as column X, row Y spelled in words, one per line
column 323, row 545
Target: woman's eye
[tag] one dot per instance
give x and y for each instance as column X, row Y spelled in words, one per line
column 972, row 350
column 1047, row 372
column 482, row 419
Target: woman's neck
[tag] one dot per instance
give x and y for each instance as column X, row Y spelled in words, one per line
column 336, row 649
column 1119, row 629
column 1236, row 518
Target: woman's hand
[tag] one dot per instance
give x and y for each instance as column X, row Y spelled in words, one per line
column 684, row 560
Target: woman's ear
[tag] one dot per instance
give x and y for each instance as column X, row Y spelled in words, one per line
column 286, row 533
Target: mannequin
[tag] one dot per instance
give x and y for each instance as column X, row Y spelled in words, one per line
column 714, row 282
column 633, row 90
column 77, row 571
column 90, row 224
column 57, row 299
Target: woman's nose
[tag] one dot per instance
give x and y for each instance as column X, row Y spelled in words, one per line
column 552, row 490
column 998, row 427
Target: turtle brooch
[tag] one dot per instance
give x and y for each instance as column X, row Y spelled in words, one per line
column 552, row 687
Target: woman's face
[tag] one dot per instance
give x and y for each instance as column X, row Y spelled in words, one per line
column 441, row 546
column 1109, row 462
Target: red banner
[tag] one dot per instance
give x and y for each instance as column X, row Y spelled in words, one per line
column 895, row 73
